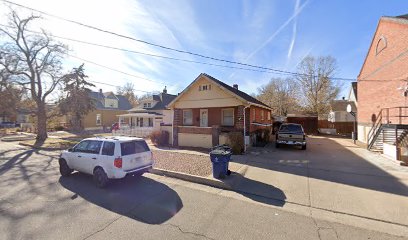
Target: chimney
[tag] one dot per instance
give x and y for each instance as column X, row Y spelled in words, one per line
column 344, row 98
column 165, row 90
column 235, row 86
column 100, row 90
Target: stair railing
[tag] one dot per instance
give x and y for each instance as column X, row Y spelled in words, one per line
column 373, row 133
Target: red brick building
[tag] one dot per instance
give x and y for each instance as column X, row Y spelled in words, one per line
column 382, row 82
column 208, row 109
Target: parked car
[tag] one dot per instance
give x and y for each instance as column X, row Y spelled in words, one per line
column 7, row 125
column 291, row 134
column 107, row 158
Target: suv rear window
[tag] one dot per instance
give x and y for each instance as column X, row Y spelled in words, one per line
column 128, row 148
column 291, row 128
column 108, row 148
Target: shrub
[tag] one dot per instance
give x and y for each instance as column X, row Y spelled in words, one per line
column 59, row 128
column 159, row 138
column 236, row 141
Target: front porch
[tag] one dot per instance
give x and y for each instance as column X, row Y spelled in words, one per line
column 138, row 124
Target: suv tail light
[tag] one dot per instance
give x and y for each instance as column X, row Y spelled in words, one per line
column 118, row 162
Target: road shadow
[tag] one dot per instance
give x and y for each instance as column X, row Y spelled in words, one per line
column 255, row 190
column 138, row 198
column 328, row 160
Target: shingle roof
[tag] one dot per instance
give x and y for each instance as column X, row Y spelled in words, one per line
column 123, row 103
column 341, row 105
column 236, row 91
column 162, row 99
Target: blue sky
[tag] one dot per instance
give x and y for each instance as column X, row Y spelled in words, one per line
column 276, row 34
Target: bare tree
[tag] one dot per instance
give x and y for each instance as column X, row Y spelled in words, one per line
column 317, row 88
column 77, row 101
column 281, row 95
column 128, row 90
column 33, row 61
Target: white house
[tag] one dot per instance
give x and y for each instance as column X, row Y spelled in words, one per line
column 148, row 116
column 338, row 111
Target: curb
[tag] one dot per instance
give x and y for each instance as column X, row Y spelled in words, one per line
column 40, row 148
column 192, row 178
column 226, row 184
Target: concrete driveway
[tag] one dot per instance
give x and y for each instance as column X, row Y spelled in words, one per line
column 333, row 176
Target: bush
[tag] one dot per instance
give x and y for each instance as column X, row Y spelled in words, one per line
column 59, row 128
column 236, row 141
column 159, row 138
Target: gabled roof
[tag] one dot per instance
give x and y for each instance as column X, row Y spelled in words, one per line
column 239, row 94
column 403, row 19
column 109, row 95
column 341, row 105
column 162, row 100
column 354, row 89
column 123, row 102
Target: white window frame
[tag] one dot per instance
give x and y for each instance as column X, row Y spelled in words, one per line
column 268, row 114
column 98, row 119
column 222, row 117
column 262, row 115
column 185, row 122
column 254, row 114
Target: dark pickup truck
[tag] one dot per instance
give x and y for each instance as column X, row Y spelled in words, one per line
column 291, row 134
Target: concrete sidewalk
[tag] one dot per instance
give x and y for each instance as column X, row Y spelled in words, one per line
column 332, row 176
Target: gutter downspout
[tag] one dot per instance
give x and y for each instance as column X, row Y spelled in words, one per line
column 245, row 127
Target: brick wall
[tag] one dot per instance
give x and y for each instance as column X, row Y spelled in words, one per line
column 196, row 130
column 258, row 118
column 389, row 64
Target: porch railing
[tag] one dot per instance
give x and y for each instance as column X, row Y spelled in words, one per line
column 133, row 131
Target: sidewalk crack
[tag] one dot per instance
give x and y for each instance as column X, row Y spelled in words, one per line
column 188, row 232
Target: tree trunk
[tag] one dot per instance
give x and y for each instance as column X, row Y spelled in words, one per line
column 41, row 122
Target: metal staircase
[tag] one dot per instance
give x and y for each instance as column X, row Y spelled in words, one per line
column 390, row 128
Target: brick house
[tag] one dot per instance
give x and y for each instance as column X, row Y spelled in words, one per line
column 208, row 109
column 382, row 85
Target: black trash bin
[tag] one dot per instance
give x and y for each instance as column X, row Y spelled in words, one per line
column 220, row 158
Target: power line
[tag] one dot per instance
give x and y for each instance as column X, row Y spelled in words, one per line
column 115, row 70
column 161, row 46
column 143, row 53
column 107, row 84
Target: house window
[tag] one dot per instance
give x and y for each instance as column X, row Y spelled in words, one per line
column 204, row 87
column 98, row 119
column 227, row 117
column 147, row 105
column 253, row 114
column 188, row 117
column 269, row 115
column 150, row 122
column 262, row 115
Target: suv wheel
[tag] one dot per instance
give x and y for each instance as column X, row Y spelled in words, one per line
column 303, row 147
column 277, row 145
column 100, row 177
column 64, row 168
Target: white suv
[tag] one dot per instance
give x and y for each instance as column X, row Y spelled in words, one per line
column 107, row 158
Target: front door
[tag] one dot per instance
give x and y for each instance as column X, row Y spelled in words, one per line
column 203, row 117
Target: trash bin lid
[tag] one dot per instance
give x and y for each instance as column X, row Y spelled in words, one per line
column 220, row 151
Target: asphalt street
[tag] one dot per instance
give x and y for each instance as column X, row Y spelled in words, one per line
column 37, row 203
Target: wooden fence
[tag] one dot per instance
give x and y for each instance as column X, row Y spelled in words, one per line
column 341, row 127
